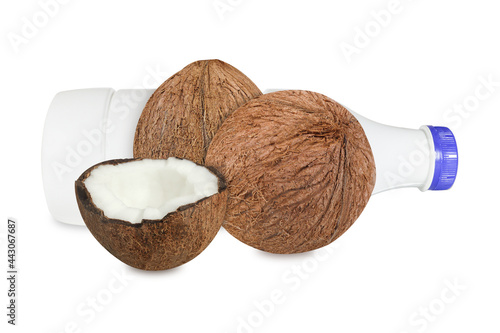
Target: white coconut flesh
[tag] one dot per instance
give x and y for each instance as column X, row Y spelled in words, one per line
column 148, row 189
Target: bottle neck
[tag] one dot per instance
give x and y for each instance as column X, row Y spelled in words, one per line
column 403, row 157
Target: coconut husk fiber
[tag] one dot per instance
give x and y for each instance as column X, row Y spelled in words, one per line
column 299, row 170
column 184, row 113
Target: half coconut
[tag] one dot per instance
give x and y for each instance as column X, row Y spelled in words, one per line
column 152, row 214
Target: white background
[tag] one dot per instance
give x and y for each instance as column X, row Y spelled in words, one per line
column 399, row 258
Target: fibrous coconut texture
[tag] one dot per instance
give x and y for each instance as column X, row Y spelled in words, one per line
column 152, row 214
column 184, row 113
column 299, row 170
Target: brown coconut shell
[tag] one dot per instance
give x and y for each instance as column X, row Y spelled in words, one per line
column 299, row 170
column 155, row 244
column 184, row 113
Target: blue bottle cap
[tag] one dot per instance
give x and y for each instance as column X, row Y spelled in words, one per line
column 445, row 171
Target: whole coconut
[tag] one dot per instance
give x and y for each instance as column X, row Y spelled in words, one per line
column 299, row 170
column 184, row 113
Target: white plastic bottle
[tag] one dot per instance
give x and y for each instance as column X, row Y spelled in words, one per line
column 87, row 126
column 82, row 128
